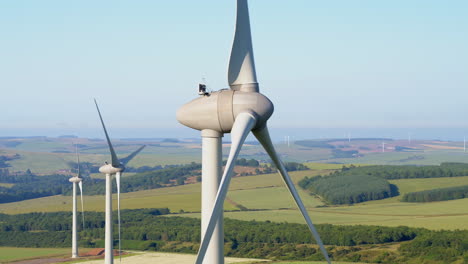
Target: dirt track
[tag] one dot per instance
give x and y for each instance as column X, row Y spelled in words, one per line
column 167, row 258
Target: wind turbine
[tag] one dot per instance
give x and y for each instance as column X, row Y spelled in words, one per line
column 74, row 180
column 115, row 168
column 238, row 110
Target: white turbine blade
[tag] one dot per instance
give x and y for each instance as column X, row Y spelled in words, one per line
column 241, row 64
column 117, row 180
column 242, row 126
column 264, row 138
column 78, row 174
column 115, row 161
column 80, row 184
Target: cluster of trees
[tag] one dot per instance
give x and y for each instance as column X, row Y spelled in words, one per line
column 245, row 162
column 442, row 194
column 407, row 171
column 146, row 224
column 338, row 189
column 30, row 186
column 170, row 176
column 149, row 229
column 5, row 158
column 438, row 247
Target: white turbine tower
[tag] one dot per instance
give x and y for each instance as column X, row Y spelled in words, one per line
column 74, row 180
column 115, row 168
column 238, row 111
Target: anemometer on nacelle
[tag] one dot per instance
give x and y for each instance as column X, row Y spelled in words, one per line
column 202, row 89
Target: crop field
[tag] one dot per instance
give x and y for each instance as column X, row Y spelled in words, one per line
column 185, row 197
column 278, row 206
column 8, row 254
column 7, row 185
column 269, row 197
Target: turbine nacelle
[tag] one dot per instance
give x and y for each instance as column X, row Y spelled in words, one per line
column 109, row 169
column 218, row 110
column 75, row 179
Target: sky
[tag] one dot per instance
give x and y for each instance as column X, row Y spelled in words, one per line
column 326, row 65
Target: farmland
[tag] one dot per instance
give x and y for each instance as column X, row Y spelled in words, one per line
column 12, row 253
column 268, row 194
column 259, row 197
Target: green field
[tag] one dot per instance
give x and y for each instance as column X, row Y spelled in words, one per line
column 8, row 254
column 267, row 194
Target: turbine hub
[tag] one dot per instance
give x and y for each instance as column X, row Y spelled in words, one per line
column 218, row 110
column 108, row 169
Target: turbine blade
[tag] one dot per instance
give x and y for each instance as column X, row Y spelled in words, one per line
column 78, row 161
column 115, row 161
column 132, row 155
column 117, row 180
column 80, row 184
column 264, row 138
column 242, row 126
column 241, row 69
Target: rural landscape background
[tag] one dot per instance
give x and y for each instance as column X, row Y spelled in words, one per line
column 405, row 202
column 369, row 116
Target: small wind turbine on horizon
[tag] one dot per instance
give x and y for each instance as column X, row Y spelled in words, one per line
column 116, row 168
column 74, row 180
column 239, row 110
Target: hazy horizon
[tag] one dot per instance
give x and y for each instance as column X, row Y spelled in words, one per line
column 278, row 134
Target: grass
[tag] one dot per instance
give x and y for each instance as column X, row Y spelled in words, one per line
column 8, row 254
column 388, row 212
column 268, row 194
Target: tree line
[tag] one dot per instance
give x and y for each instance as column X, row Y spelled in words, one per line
column 391, row 172
column 441, row 194
column 150, row 229
column 30, row 186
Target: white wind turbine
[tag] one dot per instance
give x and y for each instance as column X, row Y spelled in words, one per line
column 238, row 111
column 115, row 168
column 76, row 179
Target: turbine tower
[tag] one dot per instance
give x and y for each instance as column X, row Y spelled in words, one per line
column 74, row 180
column 238, row 110
column 115, row 168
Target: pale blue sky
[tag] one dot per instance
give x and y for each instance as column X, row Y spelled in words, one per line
column 324, row 64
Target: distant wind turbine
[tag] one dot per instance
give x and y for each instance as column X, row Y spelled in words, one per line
column 115, row 168
column 76, row 179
